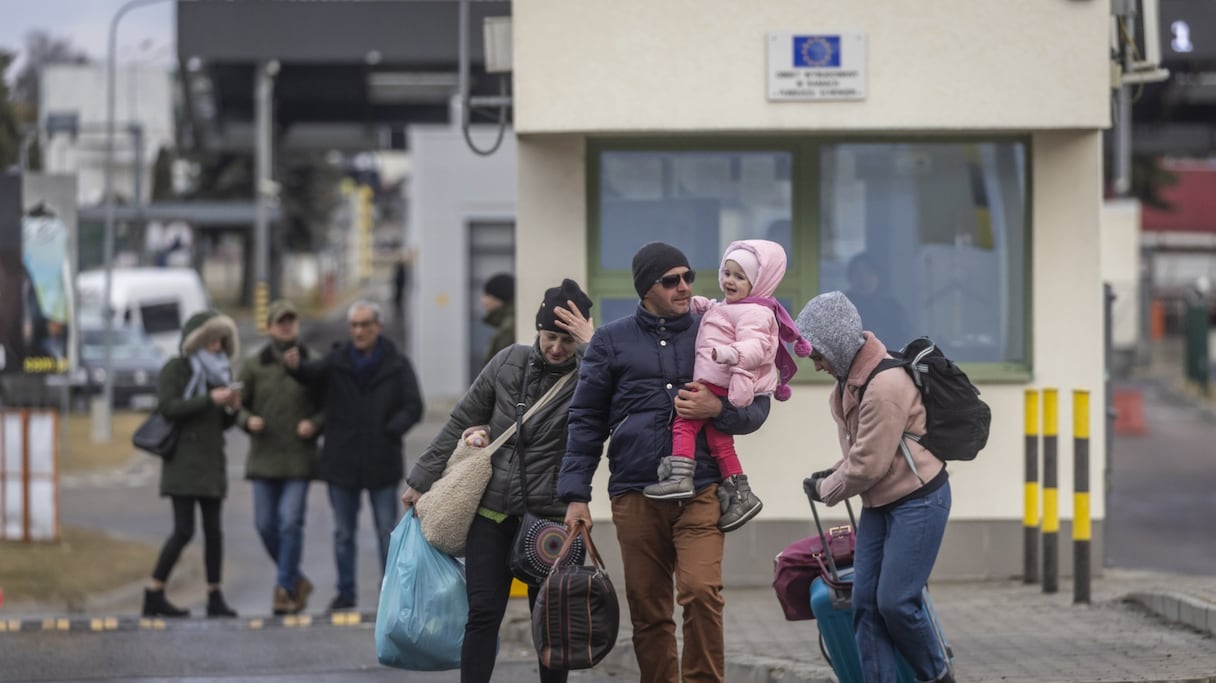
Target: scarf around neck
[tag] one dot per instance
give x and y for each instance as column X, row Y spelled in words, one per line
column 365, row 365
column 788, row 332
column 209, row 369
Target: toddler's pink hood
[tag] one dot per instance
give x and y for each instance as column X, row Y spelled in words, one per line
column 770, row 258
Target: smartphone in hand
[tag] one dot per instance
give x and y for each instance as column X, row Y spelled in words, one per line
column 236, row 386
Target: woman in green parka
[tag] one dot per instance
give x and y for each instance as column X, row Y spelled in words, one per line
column 197, row 393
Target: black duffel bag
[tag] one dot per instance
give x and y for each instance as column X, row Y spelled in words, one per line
column 577, row 616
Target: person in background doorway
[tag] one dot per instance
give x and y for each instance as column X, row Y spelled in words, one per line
column 401, row 276
column 498, row 303
column 371, row 400
column 883, row 314
column 196, row 392
column 283, row 418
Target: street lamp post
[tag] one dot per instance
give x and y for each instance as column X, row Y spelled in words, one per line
column 104, row 423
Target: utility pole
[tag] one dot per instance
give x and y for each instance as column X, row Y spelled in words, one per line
column 102, row 418
column 264, row 187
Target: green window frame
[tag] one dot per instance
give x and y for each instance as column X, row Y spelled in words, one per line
column 802, row 279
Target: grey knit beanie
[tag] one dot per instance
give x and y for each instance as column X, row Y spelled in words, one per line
column 832, row 324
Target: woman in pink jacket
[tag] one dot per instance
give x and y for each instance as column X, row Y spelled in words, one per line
column 740, row 354
column 904, row 489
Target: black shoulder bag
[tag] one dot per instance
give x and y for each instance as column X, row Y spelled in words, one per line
column 538, row 541
column 157, row 435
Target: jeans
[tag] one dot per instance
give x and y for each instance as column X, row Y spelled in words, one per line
column 345, row 504
column 488, row 585
column 278, row 513
column 896, row 549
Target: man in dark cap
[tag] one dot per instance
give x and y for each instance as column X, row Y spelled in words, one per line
column 498, row 304
column 635, row 372
column 283, row 418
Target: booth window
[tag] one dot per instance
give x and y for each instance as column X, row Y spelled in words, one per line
column 927, row 238
column 700, row 201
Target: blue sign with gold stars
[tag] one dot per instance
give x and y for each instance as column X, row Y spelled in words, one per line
column 817, row 51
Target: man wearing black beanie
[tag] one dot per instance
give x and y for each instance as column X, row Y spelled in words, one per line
column 498, row 304
column 636, row 372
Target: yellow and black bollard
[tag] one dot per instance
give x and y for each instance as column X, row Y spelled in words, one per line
column 1030, row 518
column 1051, row 500
column 1081, row 527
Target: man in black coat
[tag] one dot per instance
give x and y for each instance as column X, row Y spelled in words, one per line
column 371, row 400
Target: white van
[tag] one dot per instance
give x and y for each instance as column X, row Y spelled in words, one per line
column 156, row 301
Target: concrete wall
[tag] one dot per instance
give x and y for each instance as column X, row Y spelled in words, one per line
column 143, row 94
column 450, row 187
column 637, row 65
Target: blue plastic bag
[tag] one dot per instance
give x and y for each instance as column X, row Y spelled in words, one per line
column 423, row 605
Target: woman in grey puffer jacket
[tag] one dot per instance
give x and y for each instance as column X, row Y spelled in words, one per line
column 485, row 411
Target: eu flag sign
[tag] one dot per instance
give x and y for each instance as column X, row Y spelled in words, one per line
column 817, row 51
column 826, row 65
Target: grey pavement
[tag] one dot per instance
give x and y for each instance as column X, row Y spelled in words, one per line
column 999, row 630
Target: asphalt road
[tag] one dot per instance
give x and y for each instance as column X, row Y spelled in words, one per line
column 213, row 651
column 1163, row 494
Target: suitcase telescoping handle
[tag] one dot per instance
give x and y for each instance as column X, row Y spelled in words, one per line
column 823, row 538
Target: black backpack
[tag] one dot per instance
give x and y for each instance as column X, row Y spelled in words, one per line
column 956, row 420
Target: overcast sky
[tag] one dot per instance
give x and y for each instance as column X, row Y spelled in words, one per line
column 144, row 34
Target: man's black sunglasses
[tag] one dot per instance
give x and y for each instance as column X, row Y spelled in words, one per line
column 673, row 281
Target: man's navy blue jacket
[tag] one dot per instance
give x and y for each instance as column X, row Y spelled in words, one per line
column 627, row 383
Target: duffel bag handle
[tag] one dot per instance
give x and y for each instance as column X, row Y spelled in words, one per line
column 580, row 531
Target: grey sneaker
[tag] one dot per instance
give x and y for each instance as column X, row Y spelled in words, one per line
column 675, row 480
column 738, row 502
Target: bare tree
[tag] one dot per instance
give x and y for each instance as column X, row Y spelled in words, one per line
column 41, row 49
column 10, row 128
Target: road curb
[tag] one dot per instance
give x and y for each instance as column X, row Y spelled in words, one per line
column 1178, row 608
column 365, row 620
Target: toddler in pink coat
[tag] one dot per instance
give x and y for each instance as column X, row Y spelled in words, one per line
column 741, row 353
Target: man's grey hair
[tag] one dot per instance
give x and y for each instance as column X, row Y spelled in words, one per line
column 364, row 305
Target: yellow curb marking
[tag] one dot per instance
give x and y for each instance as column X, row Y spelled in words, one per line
column 255, row 624
column 303, row 620
column 111, row 623
column 348, row 619
column 153, row 624
column 96, row 624
column 14, row 625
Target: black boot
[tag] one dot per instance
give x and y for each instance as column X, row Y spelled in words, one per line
column 216, row 607
column 156, row 605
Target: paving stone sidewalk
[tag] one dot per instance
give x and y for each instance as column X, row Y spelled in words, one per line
column 999, row 630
